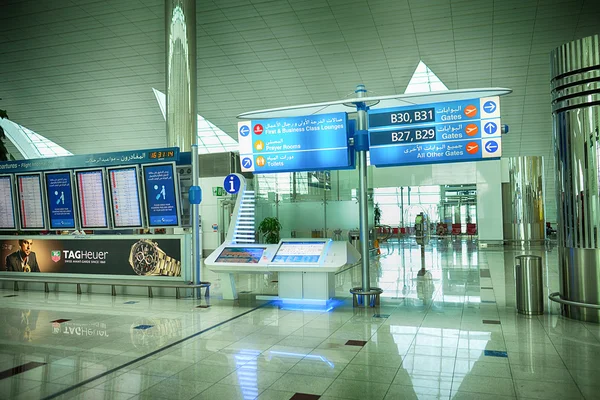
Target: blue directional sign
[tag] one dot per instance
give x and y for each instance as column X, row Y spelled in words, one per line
column 435, row 133
column 244, row 130
column 490, row 106
column 307, row 143
column 490, row 127
column 232, row 184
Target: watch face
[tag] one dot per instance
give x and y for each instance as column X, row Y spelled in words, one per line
column 145, row 258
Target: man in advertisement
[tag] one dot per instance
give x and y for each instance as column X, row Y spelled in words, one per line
column 22, row 260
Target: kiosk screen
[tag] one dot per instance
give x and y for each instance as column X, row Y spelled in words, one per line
column 7, row 209
column 31, row 202
column 299, row 252
column 125, row 197
column 244, row 255
column 59, row 193
column 91, row 199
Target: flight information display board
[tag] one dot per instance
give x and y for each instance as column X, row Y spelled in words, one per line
column 125, row 197
column 160, row 187
column 245, row 255
column 7, row 204
column 299, row 252
column 31, row 201
column 59, row 192
column 91, row 198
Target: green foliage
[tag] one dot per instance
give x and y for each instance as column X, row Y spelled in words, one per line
column 269, row 228
column 3, row 150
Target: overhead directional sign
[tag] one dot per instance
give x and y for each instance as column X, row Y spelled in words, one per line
column 464, row 130
column 309, row 143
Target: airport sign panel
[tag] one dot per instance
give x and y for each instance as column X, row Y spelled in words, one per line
column 464, row 130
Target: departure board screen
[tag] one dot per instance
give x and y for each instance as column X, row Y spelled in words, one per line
column 7, row 204
column 59, row 192
column 161, row 195
column 31, row 201
column 299, row 252
column 125, row 197
column 91, row 199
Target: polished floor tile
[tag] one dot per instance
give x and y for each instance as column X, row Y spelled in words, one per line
column 428, row 342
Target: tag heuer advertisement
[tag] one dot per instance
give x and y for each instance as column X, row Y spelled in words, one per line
column 148, row 256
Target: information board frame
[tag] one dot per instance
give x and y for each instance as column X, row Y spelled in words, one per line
column 13, row 204
column 326, row 243
column 139, row 196
column 49, row 214
column 175, row 197
column 80, row 213
column 44, row 225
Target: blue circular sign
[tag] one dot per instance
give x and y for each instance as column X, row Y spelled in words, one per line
column 247, row 163
column 491, row 146
column 244, row 130
column 489, row 106
column 490, row 128
column 232, row 184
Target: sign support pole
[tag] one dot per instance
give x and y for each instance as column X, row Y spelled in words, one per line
column 365, row 295
column 196, row 248
column 363, row 211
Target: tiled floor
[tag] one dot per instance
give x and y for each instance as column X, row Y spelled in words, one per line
column 450, row 334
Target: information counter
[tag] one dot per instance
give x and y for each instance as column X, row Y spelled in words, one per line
column 306, row 267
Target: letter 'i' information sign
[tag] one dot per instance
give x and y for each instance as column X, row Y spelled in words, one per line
column 462, row 130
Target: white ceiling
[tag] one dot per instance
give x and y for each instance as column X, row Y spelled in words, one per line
column 81, row 72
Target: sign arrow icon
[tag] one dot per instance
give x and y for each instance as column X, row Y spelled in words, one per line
column 490, row 128
column 489, row 106
column 491, row 146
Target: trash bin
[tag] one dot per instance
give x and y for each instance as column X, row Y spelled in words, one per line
column 530, row 292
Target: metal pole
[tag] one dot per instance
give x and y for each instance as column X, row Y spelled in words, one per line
column 363, row 211
column 196, row 248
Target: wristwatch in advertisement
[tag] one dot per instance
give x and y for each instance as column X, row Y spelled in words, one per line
column 146, row 258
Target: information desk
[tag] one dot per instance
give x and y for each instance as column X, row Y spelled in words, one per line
column 306, row 267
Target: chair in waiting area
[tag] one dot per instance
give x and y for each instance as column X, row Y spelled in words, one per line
column 471, row 230
column 456, row 229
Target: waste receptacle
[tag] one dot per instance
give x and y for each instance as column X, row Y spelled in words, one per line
column 530, row 291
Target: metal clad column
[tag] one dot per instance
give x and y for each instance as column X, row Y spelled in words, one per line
column 576, row 120
column 523, row 201
column 361, row 125
column 180, row 30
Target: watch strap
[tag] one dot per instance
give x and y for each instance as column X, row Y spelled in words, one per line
column 167, row 266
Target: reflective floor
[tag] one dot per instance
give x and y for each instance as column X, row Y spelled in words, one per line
column 450, row 333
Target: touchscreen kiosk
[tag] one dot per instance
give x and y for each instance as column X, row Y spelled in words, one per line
column 31, row 201
column 246, row 255
column 125, row 197
column 161, row 189
column 7, row 204
column 91, row 198
column 299, row 252
column 59, row 192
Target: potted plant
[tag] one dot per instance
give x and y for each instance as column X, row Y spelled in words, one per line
column 269, row 228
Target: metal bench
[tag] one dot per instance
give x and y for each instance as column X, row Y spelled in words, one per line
column 107, row 282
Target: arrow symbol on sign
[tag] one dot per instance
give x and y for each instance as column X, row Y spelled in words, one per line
column 491, row 147
column 490, row 127
column 489, row 107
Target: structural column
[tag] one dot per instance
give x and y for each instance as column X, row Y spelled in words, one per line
column 576, row 120
column 523, row 201
column 180, row 69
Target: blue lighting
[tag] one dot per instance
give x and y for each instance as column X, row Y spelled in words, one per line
column 298, row 305
column 300, row 355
